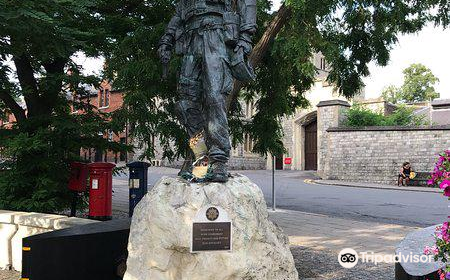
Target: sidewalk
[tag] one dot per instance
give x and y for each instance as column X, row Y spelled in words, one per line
column 316, row 241
column 374, row 186
column 322, row 232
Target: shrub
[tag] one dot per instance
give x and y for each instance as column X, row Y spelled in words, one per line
column 360, row 116
column 441, row 251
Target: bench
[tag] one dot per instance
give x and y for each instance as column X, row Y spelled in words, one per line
column 421, row 179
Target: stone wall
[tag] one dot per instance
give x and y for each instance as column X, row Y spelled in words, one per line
column 329, row 114
column 376, row 154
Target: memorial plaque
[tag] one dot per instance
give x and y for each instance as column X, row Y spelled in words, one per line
column 211, row 230
column 211, row 237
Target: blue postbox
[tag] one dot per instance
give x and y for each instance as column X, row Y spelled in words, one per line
column 137, row 182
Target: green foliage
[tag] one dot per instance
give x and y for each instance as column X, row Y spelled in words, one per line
column 360, row 116
column 392, row 94
column 40, row 38
column 349, row 33
column 35, row 174
column 418, row 86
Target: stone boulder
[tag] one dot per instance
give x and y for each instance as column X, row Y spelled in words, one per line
column 413, row 245
column 160, row 235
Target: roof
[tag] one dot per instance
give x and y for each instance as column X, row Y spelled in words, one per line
column 440, row 104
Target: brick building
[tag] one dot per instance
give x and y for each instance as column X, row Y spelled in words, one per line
column 7, row 120
column 106, row 100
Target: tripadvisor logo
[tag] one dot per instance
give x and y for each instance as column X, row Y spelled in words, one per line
column 348, row 258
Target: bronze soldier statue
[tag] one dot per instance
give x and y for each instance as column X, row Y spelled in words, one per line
column 214, row 37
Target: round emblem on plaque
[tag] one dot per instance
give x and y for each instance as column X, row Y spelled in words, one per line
column 212, row 213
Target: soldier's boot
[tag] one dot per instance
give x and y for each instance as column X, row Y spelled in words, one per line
column 186, row 169
column 218, row 172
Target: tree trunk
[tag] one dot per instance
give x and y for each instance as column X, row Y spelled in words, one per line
column 255, row 57
column 18, row 112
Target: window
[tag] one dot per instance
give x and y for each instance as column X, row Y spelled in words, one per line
column 106, row 98
column 249, row 109
column 248, row 143
column 103, row 98
column 323, row 63
column 100, row 99
column 123, row 155
column 153, row 141
column 110, row 136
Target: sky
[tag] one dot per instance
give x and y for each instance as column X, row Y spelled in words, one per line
column 430, row 47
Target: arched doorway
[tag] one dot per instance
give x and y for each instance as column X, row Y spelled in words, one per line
column 311, row 146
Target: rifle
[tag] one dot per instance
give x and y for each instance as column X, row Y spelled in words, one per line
column 165, row 70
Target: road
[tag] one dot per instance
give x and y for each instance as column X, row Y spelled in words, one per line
column 385, row 206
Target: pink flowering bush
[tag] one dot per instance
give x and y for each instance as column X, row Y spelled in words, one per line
column 441, row 173
column 441, row 177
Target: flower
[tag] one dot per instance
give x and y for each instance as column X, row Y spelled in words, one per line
column 435, row 250
column 444, row 232
column 444, row 184
column 441, row 177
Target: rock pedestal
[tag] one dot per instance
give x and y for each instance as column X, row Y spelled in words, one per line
column 160, row 235
column 413, row 245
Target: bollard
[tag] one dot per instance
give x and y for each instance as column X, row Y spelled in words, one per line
column 137, row 183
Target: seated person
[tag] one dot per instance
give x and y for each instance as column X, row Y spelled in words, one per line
column 405, row 174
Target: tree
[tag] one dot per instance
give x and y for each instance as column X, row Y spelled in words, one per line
column 392, row 94
column 38, row 40
column 349, row 33
column 418, row 86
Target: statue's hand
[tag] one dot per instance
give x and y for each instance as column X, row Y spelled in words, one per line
column 246, row 47
column 164, row 53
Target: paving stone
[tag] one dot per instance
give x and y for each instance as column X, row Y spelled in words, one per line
column 9, row 275
column 323, row 264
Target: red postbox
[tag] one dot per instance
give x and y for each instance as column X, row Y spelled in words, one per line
column 100, row 191
column 78, row 176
